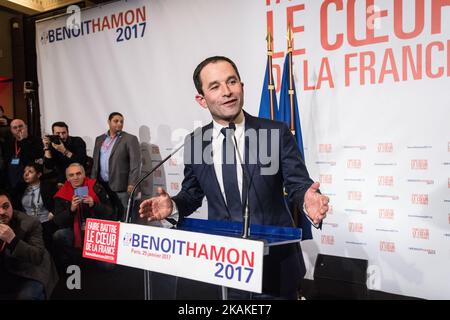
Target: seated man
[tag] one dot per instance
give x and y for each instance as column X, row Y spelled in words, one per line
column 62, row 150
column 26, row 270
column 35, row 198
column 79, row 198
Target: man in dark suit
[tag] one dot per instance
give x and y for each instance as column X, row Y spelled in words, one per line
column 27, row 271
column 117, row 162
column 273, row 164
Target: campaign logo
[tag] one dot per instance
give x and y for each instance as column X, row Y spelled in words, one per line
column 155, row 150
column 325, row 148
column 449, row 218
column 387, row 181
column 328, row 179
column 355, row 227
column 354, row 164
column 421, row 233
column 158, row 173
column 354, row 195
column 419, row 199
column 327, row 239
column 385, row 147
column 386, row 214
column 127, row 239
column 175, row 186
column 419, row 164
column 387, row 246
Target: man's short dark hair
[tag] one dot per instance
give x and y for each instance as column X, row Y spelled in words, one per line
column 6, row 194
column 60, row 124
column 204, row 63
column 39, row 168
column 113, row 114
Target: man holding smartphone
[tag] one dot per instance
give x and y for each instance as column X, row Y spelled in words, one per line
column 79, row 198
column 61, row 149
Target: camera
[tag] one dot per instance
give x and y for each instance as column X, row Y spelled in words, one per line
column 28, row 87
column 54, row 139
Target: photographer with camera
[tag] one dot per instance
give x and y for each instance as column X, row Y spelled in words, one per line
column 60, row 150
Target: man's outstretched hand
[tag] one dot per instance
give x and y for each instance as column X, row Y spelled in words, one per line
column 156, row 208
column 316, row 204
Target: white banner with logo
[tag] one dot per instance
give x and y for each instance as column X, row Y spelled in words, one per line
column 225, row 261
column 372, row 79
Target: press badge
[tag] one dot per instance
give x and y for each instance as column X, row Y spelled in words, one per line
column 15, row 161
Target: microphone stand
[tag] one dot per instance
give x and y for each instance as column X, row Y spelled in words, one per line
column 130, row 199
column 246, row 186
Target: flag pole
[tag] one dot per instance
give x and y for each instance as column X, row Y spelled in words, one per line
column 290, row 40
column 271, row 85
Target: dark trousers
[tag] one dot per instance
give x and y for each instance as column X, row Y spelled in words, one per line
column 18, row 288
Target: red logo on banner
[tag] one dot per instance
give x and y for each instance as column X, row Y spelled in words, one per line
column 328, row 178
column 158, row 174
column 354, row 164
column 155, row 149
column 325, row 148
column 419, row 199
column 419, row 233
column 387, row 246
column 448, row 147
column 448, row 185
column 174, row 186
column 385, row 147
column 387, row 181
column 421, row 164
column 449, row 218
column 172, row 162
column 101, row 240
column 354, row 195
column 327, row 239
column 386, row 214
column 355, row 227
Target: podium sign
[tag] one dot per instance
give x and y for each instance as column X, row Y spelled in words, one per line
column 225, row 261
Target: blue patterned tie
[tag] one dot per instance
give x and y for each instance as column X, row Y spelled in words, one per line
column 229, row 176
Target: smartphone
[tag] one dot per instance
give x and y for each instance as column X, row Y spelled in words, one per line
column 81, row 191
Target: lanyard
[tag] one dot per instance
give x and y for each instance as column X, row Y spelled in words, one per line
column 106, row 146
column 17, row 149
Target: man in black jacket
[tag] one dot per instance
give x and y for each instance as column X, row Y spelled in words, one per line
column 20, row 150
column 26, row 270
column 79, row 198
column 62, row 150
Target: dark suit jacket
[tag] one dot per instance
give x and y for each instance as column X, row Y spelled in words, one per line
column 59, row 162
column 26, row 256
column 284, row 267
column 124, row 162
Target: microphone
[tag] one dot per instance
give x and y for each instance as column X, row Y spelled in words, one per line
column 246, row 186
column 131, row 198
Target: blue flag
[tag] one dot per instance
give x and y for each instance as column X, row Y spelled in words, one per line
column 264, row 106
column 284, row 113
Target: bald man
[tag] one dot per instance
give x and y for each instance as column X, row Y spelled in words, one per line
column 21, row 149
